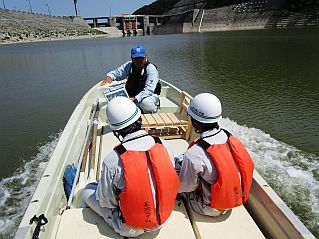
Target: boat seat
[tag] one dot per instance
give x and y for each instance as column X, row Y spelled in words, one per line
column 236, row 223
column 177, row 224
column 169, row 125
column 84, row 223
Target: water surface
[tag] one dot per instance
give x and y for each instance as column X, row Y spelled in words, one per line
column 266, row 80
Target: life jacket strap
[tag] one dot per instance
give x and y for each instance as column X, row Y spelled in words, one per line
column 203, row 144
column 228, row 133
column 157, row 140
column 120, row 149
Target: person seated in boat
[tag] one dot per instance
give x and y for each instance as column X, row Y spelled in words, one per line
column 142, row 85
column 216, row 171
column 138, row 185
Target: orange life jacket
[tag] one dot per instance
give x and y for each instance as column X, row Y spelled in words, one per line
column 136, row 201
column 229, row 191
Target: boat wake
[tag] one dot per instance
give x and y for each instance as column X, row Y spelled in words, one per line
column 17, row 190
column 292, row 173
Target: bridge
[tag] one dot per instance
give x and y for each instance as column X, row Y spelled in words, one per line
column 128, row 24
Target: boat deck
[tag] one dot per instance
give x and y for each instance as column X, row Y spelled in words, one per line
column 84, row 223
column 183, row 223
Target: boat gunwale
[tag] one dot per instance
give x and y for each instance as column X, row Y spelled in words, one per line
column 271, row 213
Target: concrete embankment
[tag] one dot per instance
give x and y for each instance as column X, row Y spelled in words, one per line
column 18, row 26
column 111, row 31
column 183, row 18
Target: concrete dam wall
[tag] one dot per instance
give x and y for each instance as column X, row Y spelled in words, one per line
column 184, row 18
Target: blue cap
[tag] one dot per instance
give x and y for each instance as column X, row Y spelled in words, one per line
column 138, row 51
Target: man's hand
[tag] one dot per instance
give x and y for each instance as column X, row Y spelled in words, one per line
column 106, row 80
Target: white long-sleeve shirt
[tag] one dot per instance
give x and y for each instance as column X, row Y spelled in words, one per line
column 152, row 78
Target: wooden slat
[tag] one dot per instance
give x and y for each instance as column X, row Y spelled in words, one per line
column 158, row 119
column 166, row 131
column 166, row 119
column 144, row 120
column 175, row 136
column 185, row 101
column 174, row 119
column 150, row 120
column 183, row 122
column 187, row 95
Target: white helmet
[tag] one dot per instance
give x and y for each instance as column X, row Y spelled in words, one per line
column 205, row 108
column 122, row 112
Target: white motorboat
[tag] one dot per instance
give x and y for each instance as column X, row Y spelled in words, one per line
column 86, row 140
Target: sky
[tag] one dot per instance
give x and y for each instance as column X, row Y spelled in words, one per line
column 86, row 8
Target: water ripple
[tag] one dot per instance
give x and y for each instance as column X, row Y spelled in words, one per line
column 17, row 190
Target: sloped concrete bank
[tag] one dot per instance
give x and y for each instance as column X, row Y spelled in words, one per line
column 19, row 27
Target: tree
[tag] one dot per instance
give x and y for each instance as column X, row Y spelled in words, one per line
column 156, row 8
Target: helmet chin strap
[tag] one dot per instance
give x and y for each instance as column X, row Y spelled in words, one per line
column 118, row 136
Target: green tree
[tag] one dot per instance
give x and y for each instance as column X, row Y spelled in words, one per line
column 156, row 8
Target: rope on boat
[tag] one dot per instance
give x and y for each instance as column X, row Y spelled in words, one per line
column 81, row 156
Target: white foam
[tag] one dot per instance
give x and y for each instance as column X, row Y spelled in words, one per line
column 288, row 170
column 4, row 194
column 16, row 191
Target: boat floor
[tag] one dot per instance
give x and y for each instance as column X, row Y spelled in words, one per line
column 84, row 223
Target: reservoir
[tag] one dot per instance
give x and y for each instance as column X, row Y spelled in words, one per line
column 267, row 81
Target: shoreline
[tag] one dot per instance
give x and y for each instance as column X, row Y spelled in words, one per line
column 110, row 35
column 58, row 39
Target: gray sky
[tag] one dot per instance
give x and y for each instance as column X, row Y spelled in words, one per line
column 86, row 8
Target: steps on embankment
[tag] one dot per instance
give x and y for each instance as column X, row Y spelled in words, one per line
column 309, row 16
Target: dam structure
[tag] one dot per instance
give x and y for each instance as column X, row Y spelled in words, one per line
column 128, row 25
column 194, row 16
column 185, row 16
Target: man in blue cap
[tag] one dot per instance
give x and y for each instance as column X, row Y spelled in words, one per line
column 142, row 84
